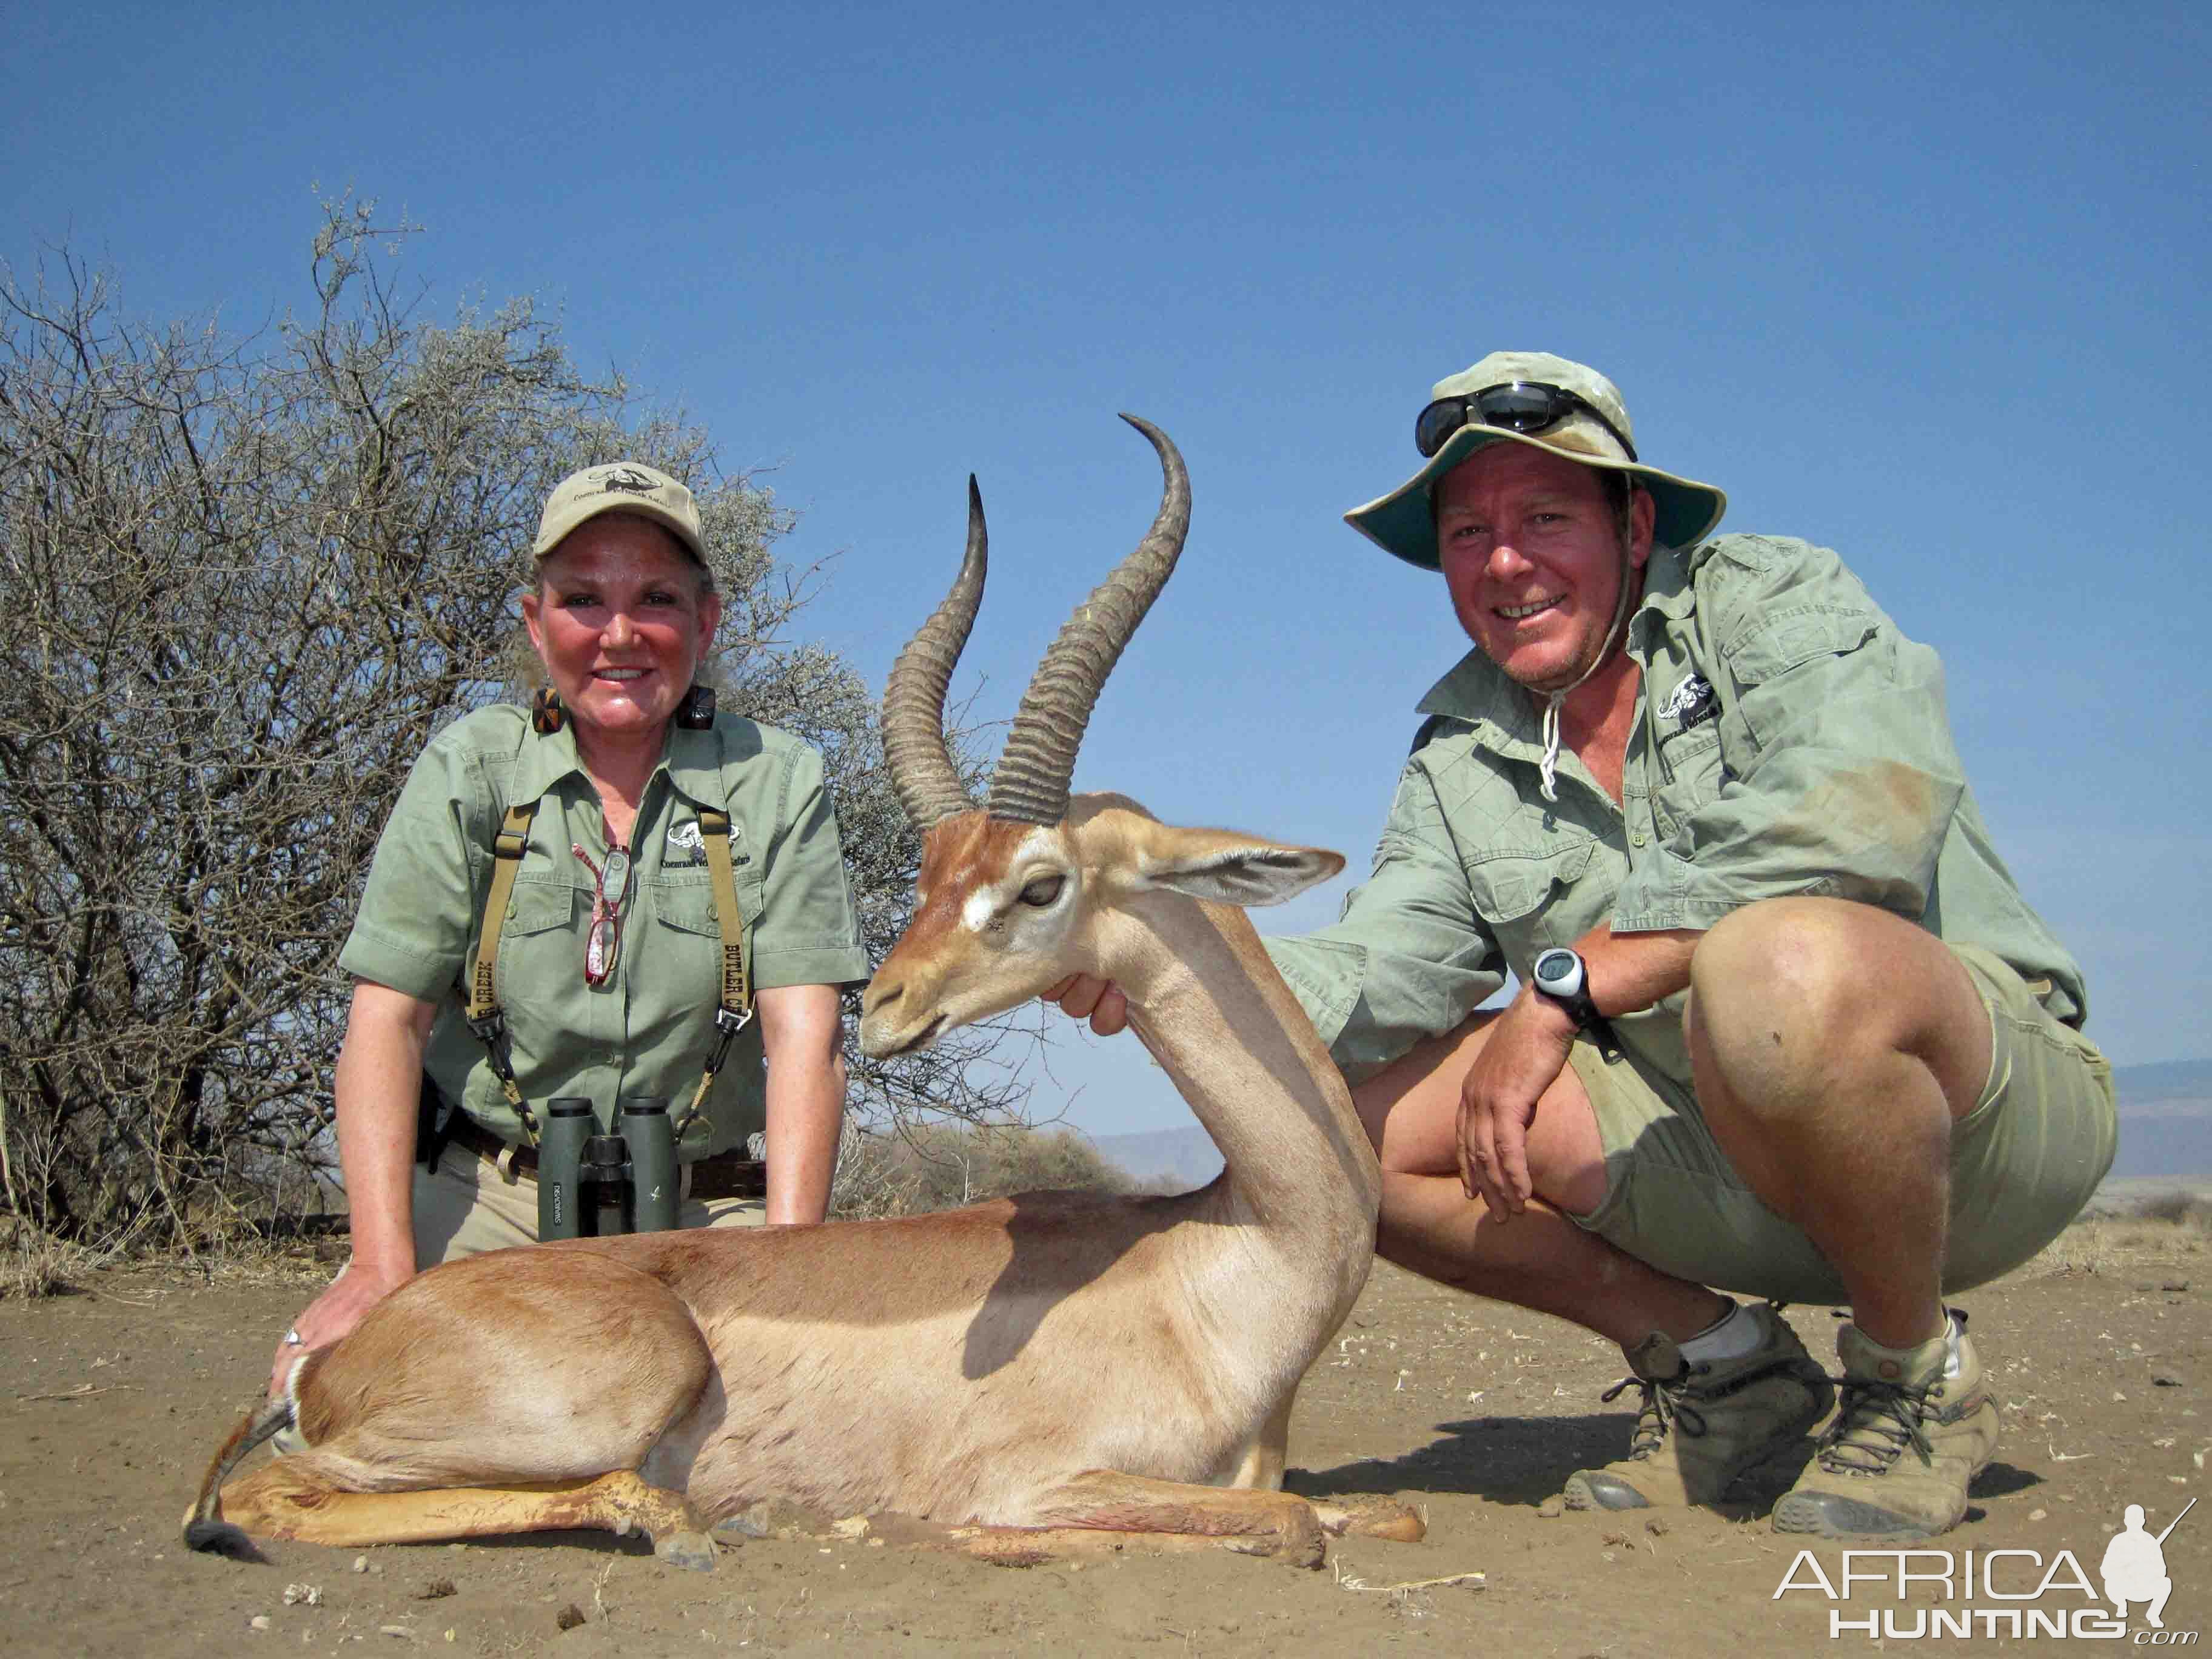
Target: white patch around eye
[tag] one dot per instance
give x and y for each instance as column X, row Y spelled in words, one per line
column 975, row 914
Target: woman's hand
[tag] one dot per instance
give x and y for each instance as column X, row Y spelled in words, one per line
column 1098, row 1000
column 330, row 1317
column 1526, row 1050
column 377, row 1086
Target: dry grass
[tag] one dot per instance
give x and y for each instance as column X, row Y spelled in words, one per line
column 34, row 1263
column 2157, row 1228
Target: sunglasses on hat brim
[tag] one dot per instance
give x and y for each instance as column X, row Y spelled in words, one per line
column 1523, row 406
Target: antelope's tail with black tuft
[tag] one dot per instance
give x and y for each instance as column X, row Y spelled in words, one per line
column 204, row 1529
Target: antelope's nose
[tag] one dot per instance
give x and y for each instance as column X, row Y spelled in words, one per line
column 882, row 991
column 879, row 1040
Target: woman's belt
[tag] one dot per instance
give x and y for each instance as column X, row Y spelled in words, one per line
column 726, row 1175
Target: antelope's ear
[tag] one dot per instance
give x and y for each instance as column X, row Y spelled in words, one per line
column 1231, row 869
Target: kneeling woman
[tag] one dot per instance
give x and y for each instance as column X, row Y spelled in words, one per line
column 608, row 978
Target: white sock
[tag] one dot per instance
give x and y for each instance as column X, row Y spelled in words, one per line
column 1731, row 1336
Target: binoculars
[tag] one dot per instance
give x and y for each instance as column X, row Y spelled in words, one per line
column 579, row 1170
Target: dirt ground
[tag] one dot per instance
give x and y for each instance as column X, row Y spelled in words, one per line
column 115, row 1398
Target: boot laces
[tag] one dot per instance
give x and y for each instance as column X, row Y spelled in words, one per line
column 1875, row 1421
column 1667, row 1401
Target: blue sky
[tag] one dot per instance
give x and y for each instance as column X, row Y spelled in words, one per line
column 1924, row 284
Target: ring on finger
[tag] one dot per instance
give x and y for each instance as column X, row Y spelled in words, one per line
column 292, row 1339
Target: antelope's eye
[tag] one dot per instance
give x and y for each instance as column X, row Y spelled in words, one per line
column 1043, row 890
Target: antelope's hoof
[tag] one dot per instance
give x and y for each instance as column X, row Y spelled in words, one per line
column 1300, row 1542
column 221, row 1538
column 1379, row 1519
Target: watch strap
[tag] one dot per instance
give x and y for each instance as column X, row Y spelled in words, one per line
column 1584, row 1013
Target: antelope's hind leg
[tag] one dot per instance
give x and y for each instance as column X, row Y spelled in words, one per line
column 515, row 1392
column 1102, row 1511
column 292, row 1498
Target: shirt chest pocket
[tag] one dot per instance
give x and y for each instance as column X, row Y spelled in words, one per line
column 538, row 907
column 1689, row 774
column 676, row 976
column 1785, row 642
column 684, row 911
column 1528, row 899
column 534, row 933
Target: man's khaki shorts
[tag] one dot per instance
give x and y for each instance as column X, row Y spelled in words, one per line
column 2023, row 1162
column 466, row 1208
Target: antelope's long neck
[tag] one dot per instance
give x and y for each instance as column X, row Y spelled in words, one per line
column 1206, row 999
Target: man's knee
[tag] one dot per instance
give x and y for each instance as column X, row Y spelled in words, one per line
column 1790, row 997
column 1827, row 983
column 1780, row 971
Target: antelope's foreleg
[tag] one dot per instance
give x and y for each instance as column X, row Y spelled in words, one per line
column 1369, row 1518
column 1104, row 1510
column 284, row 1499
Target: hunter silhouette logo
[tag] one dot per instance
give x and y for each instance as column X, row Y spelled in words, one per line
column 2134, row 1568
column 625, row 481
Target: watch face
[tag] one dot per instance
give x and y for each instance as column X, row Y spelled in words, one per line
column 1558, row 972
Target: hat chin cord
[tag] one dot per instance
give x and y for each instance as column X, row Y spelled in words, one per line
column 1548, row 767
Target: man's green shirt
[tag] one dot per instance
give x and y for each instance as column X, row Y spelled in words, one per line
column 649, row 1029
column 1792, row 741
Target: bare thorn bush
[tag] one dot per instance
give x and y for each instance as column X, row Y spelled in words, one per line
column 250, row 579
column 914, row 1168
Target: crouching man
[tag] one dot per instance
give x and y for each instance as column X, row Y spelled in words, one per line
column 1785, row 1026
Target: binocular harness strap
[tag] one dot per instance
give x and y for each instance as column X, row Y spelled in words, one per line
column 735, row 1010
column 732, row 1013
column 484, row 1016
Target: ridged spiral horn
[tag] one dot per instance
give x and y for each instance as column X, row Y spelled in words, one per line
column 1031, row 783
column 923, row 776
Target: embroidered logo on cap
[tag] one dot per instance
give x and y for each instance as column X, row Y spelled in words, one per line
column 625, row 480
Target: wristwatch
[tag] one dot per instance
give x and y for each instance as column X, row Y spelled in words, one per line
column 1560, row 977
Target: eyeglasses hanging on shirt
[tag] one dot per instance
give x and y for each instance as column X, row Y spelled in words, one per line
column 610, row 884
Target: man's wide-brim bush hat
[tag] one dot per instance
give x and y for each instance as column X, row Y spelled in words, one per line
column 1404, row 522
column 619, row 487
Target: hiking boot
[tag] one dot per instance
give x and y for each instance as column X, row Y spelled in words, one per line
column 1704, row 1424
column 1905, row 1441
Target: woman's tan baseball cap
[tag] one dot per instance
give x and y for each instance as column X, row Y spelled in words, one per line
column 619, row 487
column 1404, row 522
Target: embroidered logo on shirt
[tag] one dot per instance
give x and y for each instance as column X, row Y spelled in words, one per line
column 1691, row 700
column 686, row 846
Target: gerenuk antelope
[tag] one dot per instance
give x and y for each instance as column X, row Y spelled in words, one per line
column 1034, row 1376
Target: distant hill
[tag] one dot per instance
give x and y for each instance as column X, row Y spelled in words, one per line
column 2188, row 1081
column 2166, row 1129
column 2166, row 1119
column 1186, row 1157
